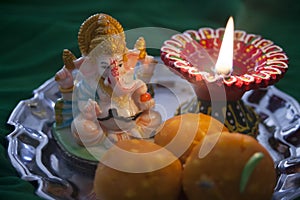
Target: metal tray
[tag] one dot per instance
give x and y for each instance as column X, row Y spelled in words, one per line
column 38, row 159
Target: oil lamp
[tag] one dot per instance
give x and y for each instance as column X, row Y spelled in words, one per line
column 222, row 64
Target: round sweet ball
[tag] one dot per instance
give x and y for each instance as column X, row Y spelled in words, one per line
column 138, row 169
column 237, row 167
column 181, row 133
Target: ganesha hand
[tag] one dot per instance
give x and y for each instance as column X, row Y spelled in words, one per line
column 86, row 132
column 147, row 124
column 91, row 110
column 147, row 105
column 145, row 72
column 64, row 78
column 149, row 60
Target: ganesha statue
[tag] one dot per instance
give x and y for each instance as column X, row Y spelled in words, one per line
column 105, row 97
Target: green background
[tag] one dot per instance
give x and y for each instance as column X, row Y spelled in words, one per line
column 34, row 33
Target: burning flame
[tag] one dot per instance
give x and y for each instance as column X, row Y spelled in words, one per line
column 225, row 59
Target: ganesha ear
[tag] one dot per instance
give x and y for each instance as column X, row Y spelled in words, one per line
column 130, row 59
column 86, row 66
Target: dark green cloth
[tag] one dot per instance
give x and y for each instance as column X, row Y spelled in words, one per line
column 33, row 34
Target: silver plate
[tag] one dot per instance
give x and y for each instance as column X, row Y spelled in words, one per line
column 37, row 158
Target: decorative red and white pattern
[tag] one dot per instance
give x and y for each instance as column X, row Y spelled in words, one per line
column 257, row 62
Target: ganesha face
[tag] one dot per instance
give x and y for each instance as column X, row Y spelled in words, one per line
column 118, row 75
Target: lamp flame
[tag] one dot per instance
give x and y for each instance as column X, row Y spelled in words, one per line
column 224, row 62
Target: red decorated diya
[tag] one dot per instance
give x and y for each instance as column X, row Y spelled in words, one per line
column 256, row 63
